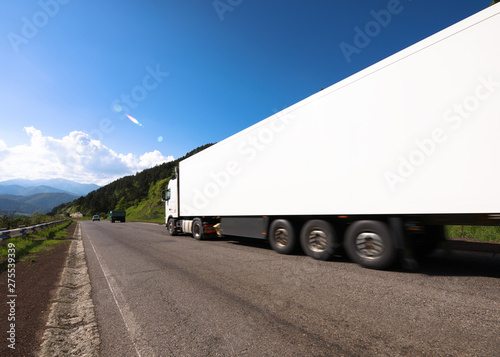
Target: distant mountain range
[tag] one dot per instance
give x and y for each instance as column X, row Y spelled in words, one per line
column 26, row 191
column 25, row 187
column 21, row 196
column 39, row 202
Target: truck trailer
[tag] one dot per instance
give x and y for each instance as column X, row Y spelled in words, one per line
column 117, row 215
column 375, row 165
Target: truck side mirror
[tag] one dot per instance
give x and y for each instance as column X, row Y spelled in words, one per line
column 165, row 195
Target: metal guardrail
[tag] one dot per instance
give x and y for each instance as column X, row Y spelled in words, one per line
column 23, row 231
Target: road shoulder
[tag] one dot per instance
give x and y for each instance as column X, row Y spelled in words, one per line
column 72, row 328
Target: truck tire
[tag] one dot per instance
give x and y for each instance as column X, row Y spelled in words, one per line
column 171, row 227
column 318, row 239
column 370, row 244
column 282, row 237
column 197, row 229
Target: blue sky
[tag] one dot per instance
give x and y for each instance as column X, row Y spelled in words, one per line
column 190, row 71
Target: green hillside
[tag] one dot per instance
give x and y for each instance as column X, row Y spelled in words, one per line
column 138, row 194
column 150, row 209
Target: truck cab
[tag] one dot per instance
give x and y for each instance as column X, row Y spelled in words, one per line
column 175, row 224
column 170, row 197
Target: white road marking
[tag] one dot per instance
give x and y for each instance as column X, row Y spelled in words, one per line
column 133, row 328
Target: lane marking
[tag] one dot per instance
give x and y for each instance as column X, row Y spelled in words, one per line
column 133, row 328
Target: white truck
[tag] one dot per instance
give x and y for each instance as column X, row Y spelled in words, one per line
column 376, row 164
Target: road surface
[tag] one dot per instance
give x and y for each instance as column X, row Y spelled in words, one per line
column 158, row 295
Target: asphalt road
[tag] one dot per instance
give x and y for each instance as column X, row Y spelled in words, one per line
column 157, row 295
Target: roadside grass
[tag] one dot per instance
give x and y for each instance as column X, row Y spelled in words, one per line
column 41, row 241
column 58, row 232
column 474, row 233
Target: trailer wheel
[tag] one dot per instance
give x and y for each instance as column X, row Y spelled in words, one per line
column 172, row 230
column 282, row 237
column 197, row 229
column 370, row 244
column 318, row 239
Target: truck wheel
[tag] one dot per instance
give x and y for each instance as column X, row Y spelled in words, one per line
column 318, row 239
column 197, row 229
column 171, row 227
column 282, row 237
column 370, row 244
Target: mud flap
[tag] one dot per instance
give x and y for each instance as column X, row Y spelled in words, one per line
column 403, row 244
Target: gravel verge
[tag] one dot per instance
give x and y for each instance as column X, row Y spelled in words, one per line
column 71, row 328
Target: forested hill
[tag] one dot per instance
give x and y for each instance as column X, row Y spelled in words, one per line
column 127, row 192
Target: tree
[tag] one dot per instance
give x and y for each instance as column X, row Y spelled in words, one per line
column 494, row 2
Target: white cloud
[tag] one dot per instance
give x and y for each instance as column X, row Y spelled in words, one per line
column 74, row 157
